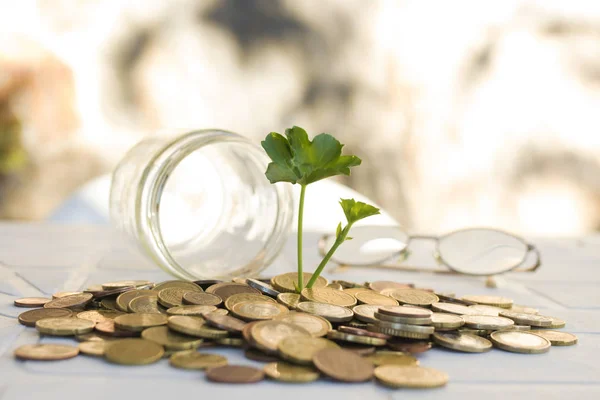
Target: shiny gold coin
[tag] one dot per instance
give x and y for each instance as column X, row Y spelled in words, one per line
column 92, row 348
column 301, row 350
column 398, row 376
column 498, row 301
column 383, row 357
column 354, row 291
column 453, row 308
column 287, row 282
column 31, row 302
column 442, row 321
column 402, row 320
column 348, row 337
column 462, row 342
column 220, row 311
column 528, row 319
column 343, row 365
column 244, row 297
column 317, row 326
column 380, row 286
column 191, row 311
column 258, row 310
column 556, row 338
column 194, row 360
column 226, row 289
column 124, row 284
column 414, row 297
column 109, row 303
column 92, row 337
column 231, row 342
column 133, row 352
column 524, row 309
column 371, row 297
column 124, row 299
column 335, row 286
column 520, row 342
column 171, row 297
column 98, row 315
column 46, row 352
column 290, row 300
column 365, row 312
column 59, row 295
column 64, row 326
column 201, row 299
column 145, row 304
column 190, row 286
column 29, row 318
column 266, row 335
column 170, row 340
column 195, row 326
column 328, row 296
column 482, row 309
column 139, row 322
column 330, row 312
column 487, row 322
column 557, row 323
column 284, row 372
column 73, row 301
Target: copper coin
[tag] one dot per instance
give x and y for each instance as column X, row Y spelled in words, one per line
column 75, row 300
column 363, row 332
column 343, row 365
column 201, row 299
column 31, row 302
column 226, row 289
column 409, row 347
column 46, row 352
column 29, row 318
column 108, row 328
column 225, row 322
column 360, row 349
column 247, row 332
column 235, row 374
column 257, row 355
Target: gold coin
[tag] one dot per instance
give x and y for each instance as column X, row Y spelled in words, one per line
column 98, row 315
column 498, row 301
column 133, row 352
column 403, row 320
column 348, row 337
column 46, row 352
column 190, row 286
column 197, row 311
column 487, row 322
column 328, row 296
column 524, row 309
column 556, row 338
column 31, row 302
column 330, row 312
column 29, row 318
column 528, row 319
column 557, row 323
column 201, row 299
column 300, row 350
column 520, row 342
column 243, row 297
column 282, row 371
column 194, row 360
column 75, row 300
column 335, row 286
column 124, row 299
column 266, row 335
column 414, row 297
column 109, row 303
column 64, row 326
column 380, row 286
column 145, row 304
column 383, row 357
column 195, row 326
column 226, row 289
column 170, row 340
column 462, row 342
column 483, row 309
column 172, row 297
column 365, row 312
column 92, row 348
column 453, row 308
column 398, row 332
column 287, row 282
column 317, row 326
column 258, row 310
column 354, row 291
column 371, row 297
column 442, row 321
column 124, row 284
column 139, row 322
column 398, row 376
column 290, row 300
column 231, row 341
column 59, row 295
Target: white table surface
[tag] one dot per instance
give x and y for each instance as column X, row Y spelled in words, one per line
column 40, row 259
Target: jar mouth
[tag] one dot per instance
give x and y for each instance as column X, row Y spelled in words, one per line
column 223, row 225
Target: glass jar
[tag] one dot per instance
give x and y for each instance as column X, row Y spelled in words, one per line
column 200, row 205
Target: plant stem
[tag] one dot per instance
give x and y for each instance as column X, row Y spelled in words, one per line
column 338, row 241
column 300, row 217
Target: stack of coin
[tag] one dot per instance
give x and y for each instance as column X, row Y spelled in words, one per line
column 346, row 331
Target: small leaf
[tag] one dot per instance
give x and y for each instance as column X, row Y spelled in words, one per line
column 338, row 230
column 348, row 238
column 357, row 210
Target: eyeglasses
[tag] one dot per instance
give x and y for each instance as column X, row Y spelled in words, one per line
column 472, row 251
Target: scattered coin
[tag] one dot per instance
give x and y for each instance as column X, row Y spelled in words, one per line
column 190, row 286
column 125, row 284
column 378, row 286
column 109, row 303
column 301, row 350
column 197, row 311
column 453, row 308
column 556, row 338
column 392, row 358
column 58, row 295
column 100, row 294
column 402, row 320
column 231, row 342
column 462, row 342
column 145, row 304
column 317, row 326
column 343, row 365
column 557, row 323
column 335, row 285
column 244, row 297
column 64, row 326
column 497, row 301
column 348, row 337
column 362, row 332
column 263, row 287
column 92, row 337
column 98, row 315
column 172, row 297
column 133, row 352
column 414, row 297
column 170, row 340
column 108, row 328
column 257, row 355
column 75, row 300
column 487, row 322
column 354, row 291
column 92, row 348
column 194, row 360
column 266, row 335
column 258, row 310
column 29, row 318
column 194, row 326
column 442, row 321
column 287, row 282
column 139, row 322
column 528, row 319
column 201, row 299
column 225, row 322
column 520, row 342
column 371, row 297
column 330, row 312
column 226, row 289
column 328, row 296
column 524, row 309
column 124, row 299
column 31, row 302
column 398, row 376
column 358, row 349
column 483, row 309
column 235, row 374
column 290, row 300
column 402, row 330
column 406, row 312
column 206, row 283
column 411, row 347
column 282, row 371
column 46, row 352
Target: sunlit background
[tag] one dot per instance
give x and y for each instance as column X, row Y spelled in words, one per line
column 464, row 112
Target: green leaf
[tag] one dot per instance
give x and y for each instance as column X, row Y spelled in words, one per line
column 348, row 238
column 296, row 159
column 357, row 210
column 338, row 230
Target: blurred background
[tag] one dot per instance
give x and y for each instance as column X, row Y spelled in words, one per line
column 465, row 112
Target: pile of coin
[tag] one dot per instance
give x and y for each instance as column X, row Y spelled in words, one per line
column 341, row 330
